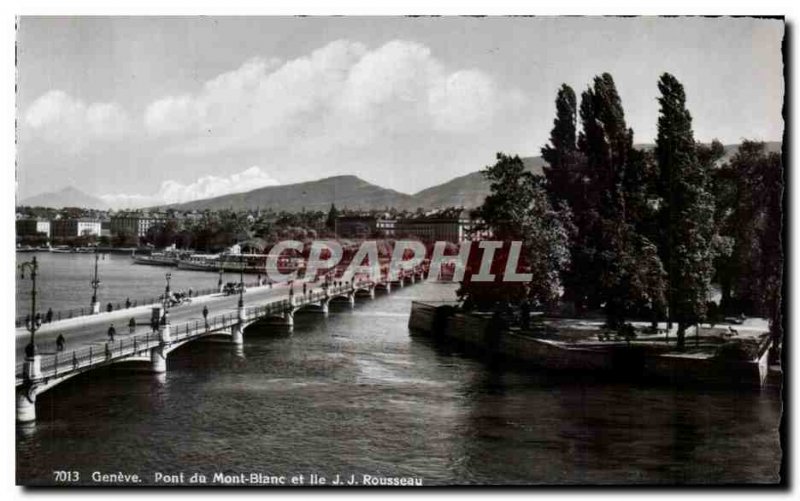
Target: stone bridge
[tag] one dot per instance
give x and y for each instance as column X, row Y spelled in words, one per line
column 43, row 372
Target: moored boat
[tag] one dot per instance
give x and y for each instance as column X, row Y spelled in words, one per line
column 156, row 259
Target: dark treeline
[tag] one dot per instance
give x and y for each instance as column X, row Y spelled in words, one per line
column 640, row 233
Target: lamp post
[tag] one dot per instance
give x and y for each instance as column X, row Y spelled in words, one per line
column 241, row 281
column 34, row 320
column 168, row 276
column 95, row 284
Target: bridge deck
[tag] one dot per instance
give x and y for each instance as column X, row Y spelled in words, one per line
column 58, row 365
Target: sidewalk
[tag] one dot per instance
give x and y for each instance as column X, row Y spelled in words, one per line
column 125, row 314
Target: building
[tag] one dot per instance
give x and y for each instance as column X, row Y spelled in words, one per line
column 386, row 227
column 134, row 223
column 356, row 226
column 448, row 226
column 75, row 227
column 28, row 227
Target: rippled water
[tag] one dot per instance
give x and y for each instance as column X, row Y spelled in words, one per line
column 353, row 393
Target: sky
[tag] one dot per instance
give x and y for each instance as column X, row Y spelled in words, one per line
column 142, row 111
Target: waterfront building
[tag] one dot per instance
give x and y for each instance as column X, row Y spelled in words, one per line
column 27, row 227
column 75, row 227
column 446, row 226
column 134, row 223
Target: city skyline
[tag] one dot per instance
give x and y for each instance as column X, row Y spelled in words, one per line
column 147, row 111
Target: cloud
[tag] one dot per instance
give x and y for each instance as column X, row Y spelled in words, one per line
column 70, row 123
column 340, row 95
column 204, row 187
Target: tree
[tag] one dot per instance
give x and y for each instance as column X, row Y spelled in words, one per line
column 330, row 221
column 688, row 209
column 567, row 190
column 613, row 259
column 562, row 172
column 750, row 192
column 518, row 209
column 124, row 238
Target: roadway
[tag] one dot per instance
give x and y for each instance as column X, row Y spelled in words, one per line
column 93, row 329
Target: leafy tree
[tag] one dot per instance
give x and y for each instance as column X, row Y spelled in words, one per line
column 613, row 256
column 563, row 169
column 518, row 209
column 753, row 270
column 567, row 190
column 688, row 209
column 124, row 238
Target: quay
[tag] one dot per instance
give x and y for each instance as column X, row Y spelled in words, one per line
column 584, row 346
column 228, row 317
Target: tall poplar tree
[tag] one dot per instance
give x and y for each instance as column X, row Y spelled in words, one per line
column 562, row 152
column 621, row 262
column 564, row 174
column 687, row 208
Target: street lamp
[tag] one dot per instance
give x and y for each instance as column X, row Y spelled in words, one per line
column 95, row 284
column 34, row 321
column 168, row 276
column 241, row 280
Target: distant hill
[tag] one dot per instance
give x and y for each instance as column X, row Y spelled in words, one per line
column 352, row 192
column 67, row 197
column 345, row 191
column 730, row 149
column 467, row 191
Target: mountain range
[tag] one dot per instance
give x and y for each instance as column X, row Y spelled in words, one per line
column 65, row 197
column 352, row 192
column 345, row 191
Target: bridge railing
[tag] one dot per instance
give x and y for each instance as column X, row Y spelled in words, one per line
column 60, row 363
column 115, row 306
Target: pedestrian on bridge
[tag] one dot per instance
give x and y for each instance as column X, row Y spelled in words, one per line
column 109, row 307
column 127, row 303
column 60, row 342
column 111, row 332
column 49, row 315
column 205, row 315
column 132, row 325
column 304, row 289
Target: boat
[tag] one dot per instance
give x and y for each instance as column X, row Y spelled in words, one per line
column 156, row 259
column 235, row 263
column 199, row 262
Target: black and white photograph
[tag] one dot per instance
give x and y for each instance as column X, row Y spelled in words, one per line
column 400, row 251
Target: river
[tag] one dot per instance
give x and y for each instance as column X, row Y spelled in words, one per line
column 354, row 393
